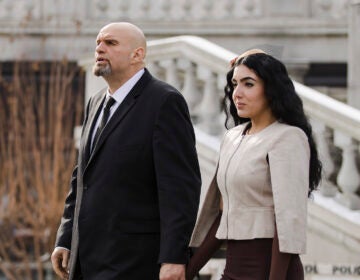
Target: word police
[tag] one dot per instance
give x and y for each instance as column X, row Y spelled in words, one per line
column 322, row 269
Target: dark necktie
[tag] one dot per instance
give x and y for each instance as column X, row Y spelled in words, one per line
column 104, row 119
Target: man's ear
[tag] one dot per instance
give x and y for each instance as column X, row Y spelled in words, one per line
column 138, row 55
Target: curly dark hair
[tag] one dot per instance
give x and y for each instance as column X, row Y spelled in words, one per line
column 285, row 103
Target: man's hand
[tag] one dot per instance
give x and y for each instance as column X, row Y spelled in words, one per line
column 59, row 260
column 171, row 271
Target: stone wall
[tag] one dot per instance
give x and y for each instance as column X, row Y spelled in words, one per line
column 298, row 31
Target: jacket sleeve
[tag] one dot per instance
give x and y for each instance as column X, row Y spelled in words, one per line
column 208, row 213
column 289, row 161
column 210, row 207
column 64, row 233
column 178, row 177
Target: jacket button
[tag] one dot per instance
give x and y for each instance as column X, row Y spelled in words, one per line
column 85, row 187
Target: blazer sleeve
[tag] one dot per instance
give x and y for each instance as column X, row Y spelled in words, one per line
column 64, row 233
column 178, row 177
column 208, row 213
column 210, row 208
column 289, row 161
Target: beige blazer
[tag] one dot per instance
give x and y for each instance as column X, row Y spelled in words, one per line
column 263, row 180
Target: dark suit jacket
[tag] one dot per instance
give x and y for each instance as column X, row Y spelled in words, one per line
column 139, row 186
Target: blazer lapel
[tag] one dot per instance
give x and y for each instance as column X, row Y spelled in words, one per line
column 93, row 115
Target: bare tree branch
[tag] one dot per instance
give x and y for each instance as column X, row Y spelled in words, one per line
column 39, row 109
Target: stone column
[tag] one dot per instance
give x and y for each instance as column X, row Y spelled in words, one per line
column 354, row 54
column 93, row 84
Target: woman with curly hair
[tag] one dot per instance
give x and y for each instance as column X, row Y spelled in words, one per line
column 268, row 166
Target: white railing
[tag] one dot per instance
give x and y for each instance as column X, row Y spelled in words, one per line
column 335, row 124
column 198, row 67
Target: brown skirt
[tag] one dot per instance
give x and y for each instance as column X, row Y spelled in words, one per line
column 251, row 260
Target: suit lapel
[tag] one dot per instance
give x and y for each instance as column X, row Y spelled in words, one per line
column 120, row 112
column 93, row 115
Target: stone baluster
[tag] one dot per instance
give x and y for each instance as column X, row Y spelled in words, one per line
column 348, row 178
column 353, row 54
column 249, row 6
column 166, row 8
column 229, row 7
column 190, row 90
column 145, row 6
column 325, row 5
column 49, row 272
column 214, row 267
column 187, row 8
column 209, row 108
column 208, row 6
column 9, row 6
column 171, row 72
column 29, row 6
column 93, row 84
column 124, row 8
column 321, row 135
column 102, row 6
column 154, row 69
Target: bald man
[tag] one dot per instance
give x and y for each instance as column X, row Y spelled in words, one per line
column 134, row 192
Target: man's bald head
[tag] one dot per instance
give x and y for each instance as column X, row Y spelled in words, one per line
column 126, row 29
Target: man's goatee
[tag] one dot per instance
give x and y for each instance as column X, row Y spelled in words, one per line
column 102, row 71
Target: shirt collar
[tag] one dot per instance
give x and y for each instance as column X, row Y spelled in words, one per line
column 120, row 94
